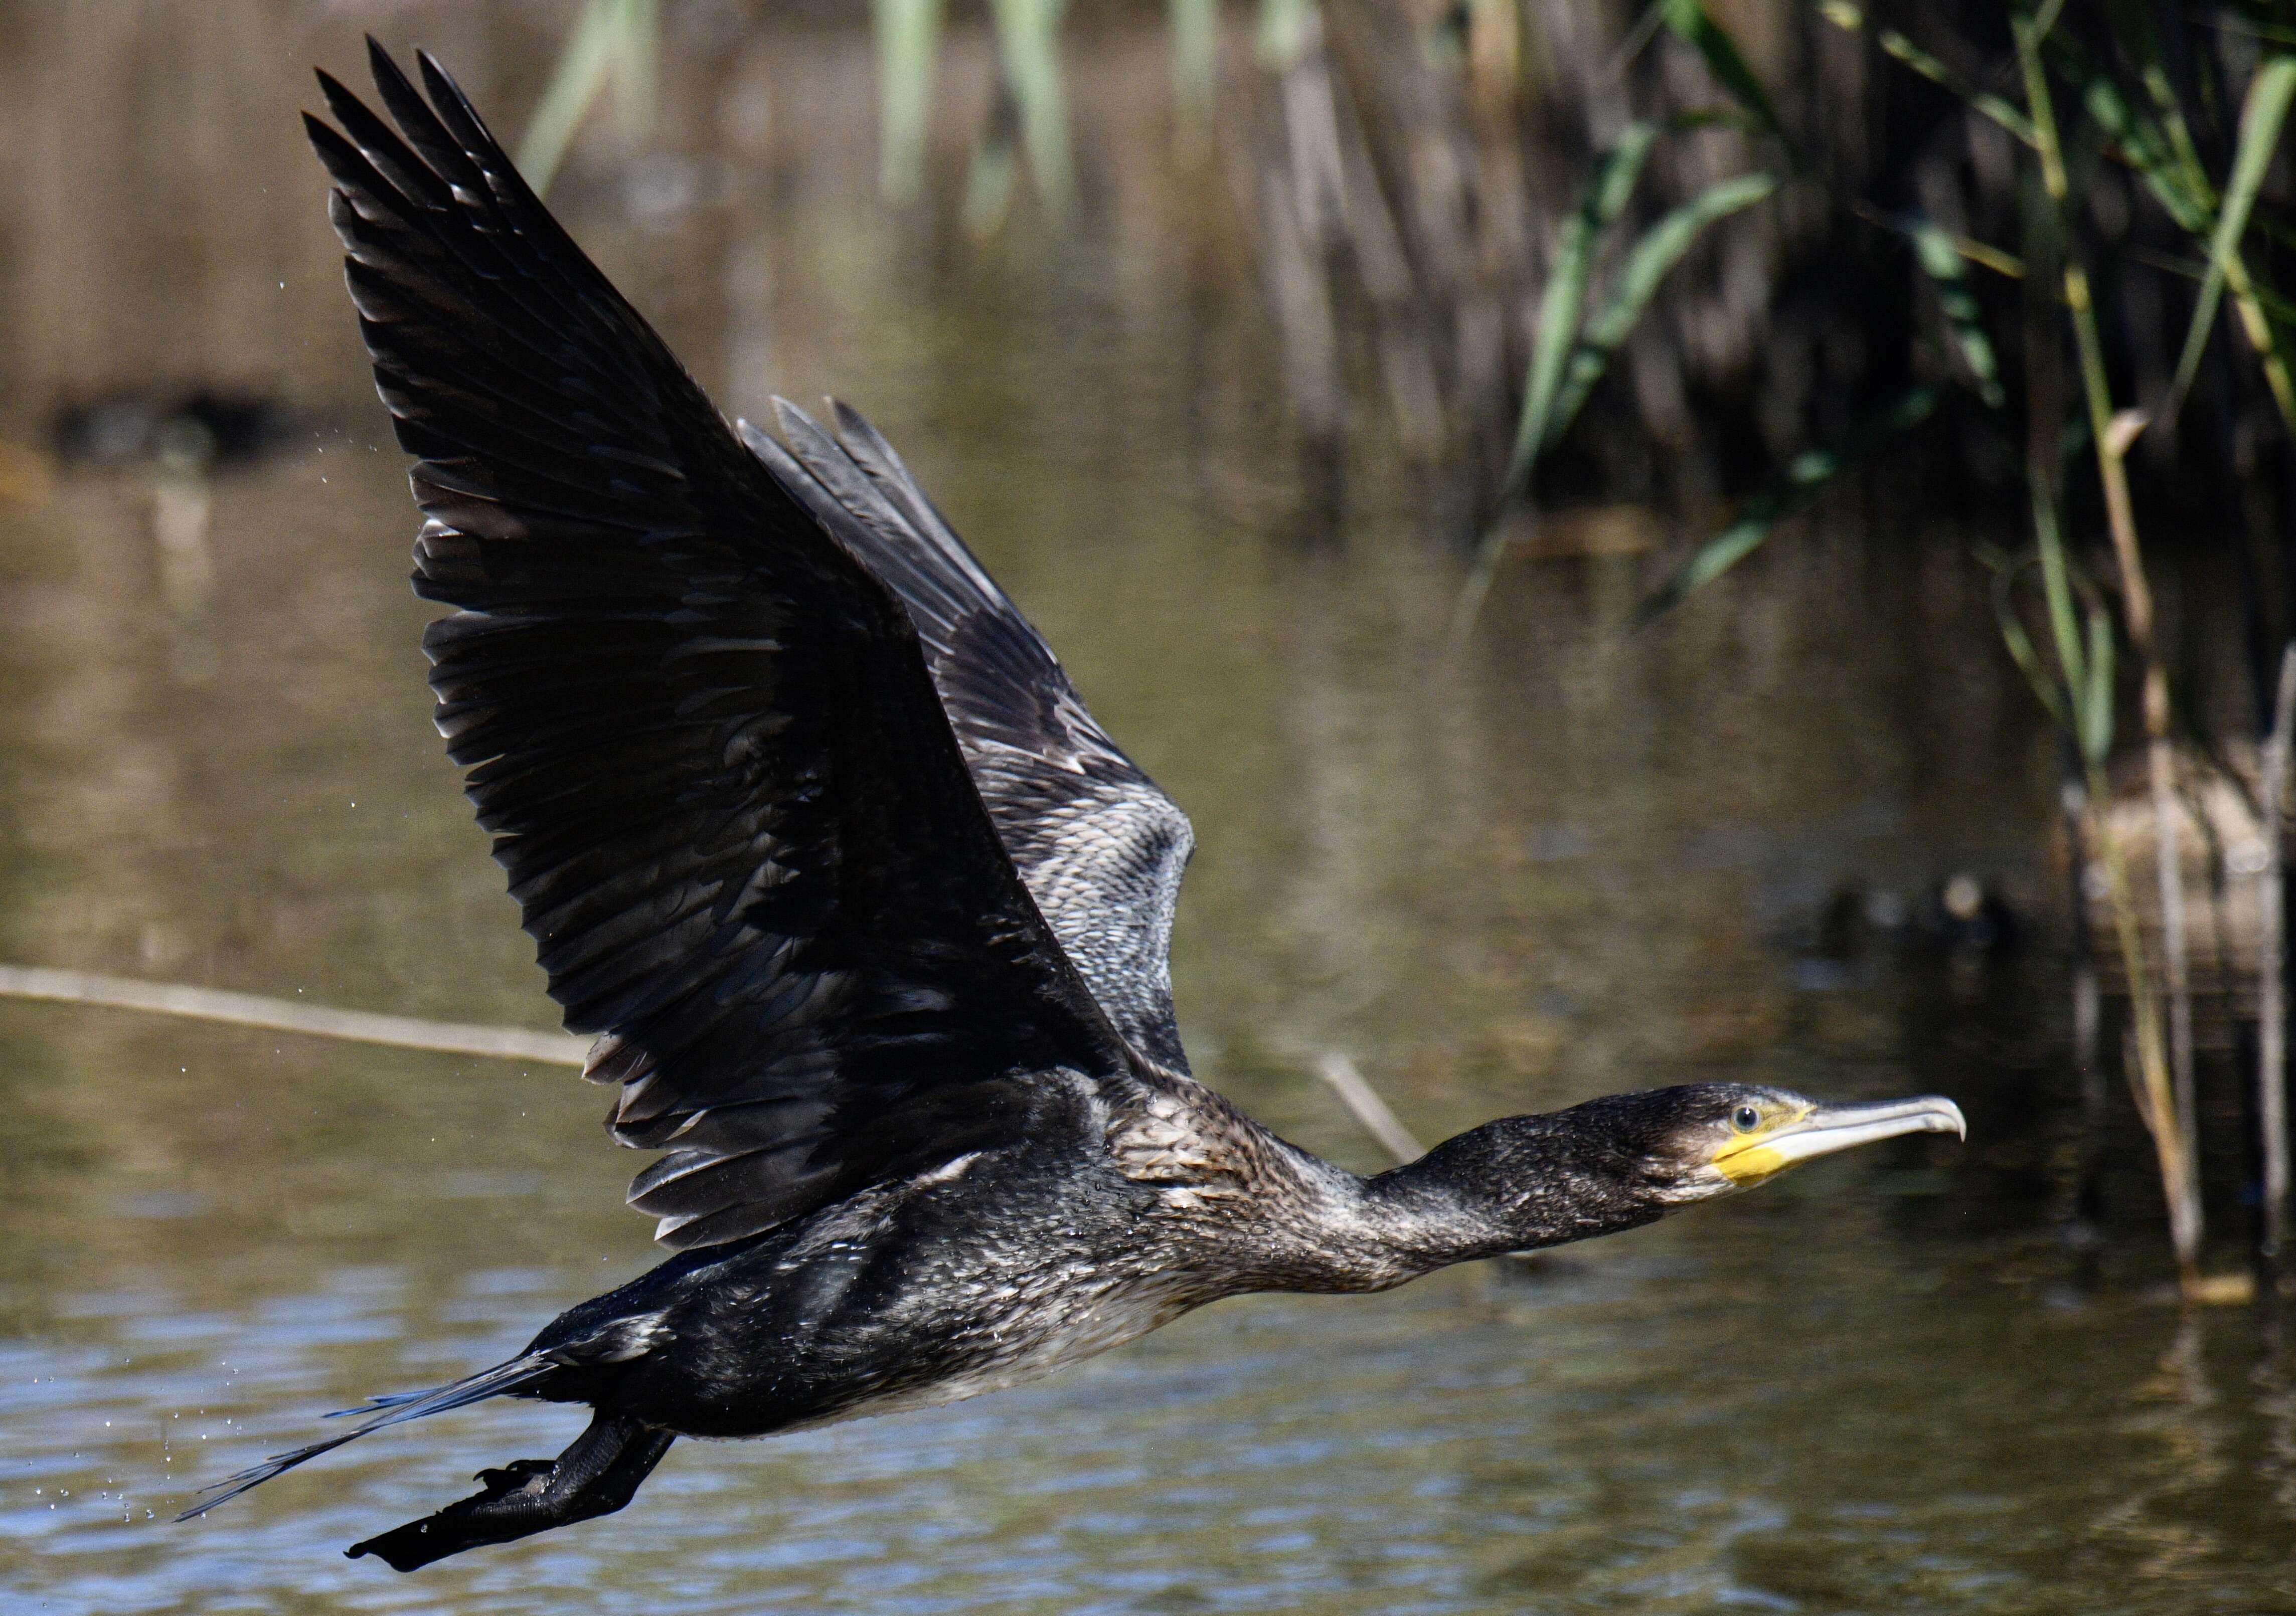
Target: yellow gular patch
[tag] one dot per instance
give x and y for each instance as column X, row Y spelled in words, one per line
column 1748, row 1162
column 1747, row 1158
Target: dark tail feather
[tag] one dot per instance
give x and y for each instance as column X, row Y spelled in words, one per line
column 396, row 1408
column 380, row 1399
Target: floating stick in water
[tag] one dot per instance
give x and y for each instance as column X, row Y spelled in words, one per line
column 1363, row 1101
column 288, row 1015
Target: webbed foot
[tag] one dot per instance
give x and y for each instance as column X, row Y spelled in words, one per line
column 595, row 1476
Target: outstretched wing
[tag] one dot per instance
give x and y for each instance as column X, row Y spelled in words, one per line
column 1100, row 846
column 704, row 735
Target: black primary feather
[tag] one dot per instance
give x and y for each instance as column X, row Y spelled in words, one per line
column 703, row 734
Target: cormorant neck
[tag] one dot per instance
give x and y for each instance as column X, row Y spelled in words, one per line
column 1611, row 1164
column 1515, row 1184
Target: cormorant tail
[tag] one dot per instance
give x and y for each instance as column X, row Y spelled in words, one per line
column 396, row 1408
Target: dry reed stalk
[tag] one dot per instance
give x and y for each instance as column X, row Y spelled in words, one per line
column 2271, row 987
column 2087, row 996
column 2150, row 1084
column 2164, row 1086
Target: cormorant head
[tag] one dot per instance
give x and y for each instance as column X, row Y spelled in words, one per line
column 1708, row 1139
column 1629, row 1159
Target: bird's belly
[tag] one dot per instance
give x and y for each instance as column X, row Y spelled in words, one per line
column 989, row 1355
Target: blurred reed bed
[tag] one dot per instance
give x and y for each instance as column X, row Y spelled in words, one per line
column 1559, row 253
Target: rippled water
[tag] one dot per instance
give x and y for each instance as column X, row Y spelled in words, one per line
column 1587, row 861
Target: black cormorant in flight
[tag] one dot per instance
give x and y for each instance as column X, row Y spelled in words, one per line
column 868, row 914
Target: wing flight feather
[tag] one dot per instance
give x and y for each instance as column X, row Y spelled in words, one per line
column 704, row 735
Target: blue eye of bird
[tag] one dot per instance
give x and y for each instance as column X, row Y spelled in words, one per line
column 1745, row 1119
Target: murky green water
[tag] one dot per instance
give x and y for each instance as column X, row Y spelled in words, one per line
column 1587, row 861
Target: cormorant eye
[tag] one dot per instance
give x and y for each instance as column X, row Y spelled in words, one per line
column 1745, row 1119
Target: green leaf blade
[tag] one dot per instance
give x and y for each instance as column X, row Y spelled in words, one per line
column 2263, row 112
column 1940, row 256
column 1980, row 101
column 908, row 53
column 1788, row 496
column 1690, row 21
column 1605, row 197
column 581, row 73
column 1647, row 262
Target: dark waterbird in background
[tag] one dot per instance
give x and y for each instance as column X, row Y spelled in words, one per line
column 869, row 915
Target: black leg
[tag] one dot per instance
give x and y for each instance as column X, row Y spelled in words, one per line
column 595, row 1476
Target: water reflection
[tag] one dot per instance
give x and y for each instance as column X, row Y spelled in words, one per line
column 1586, row 861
